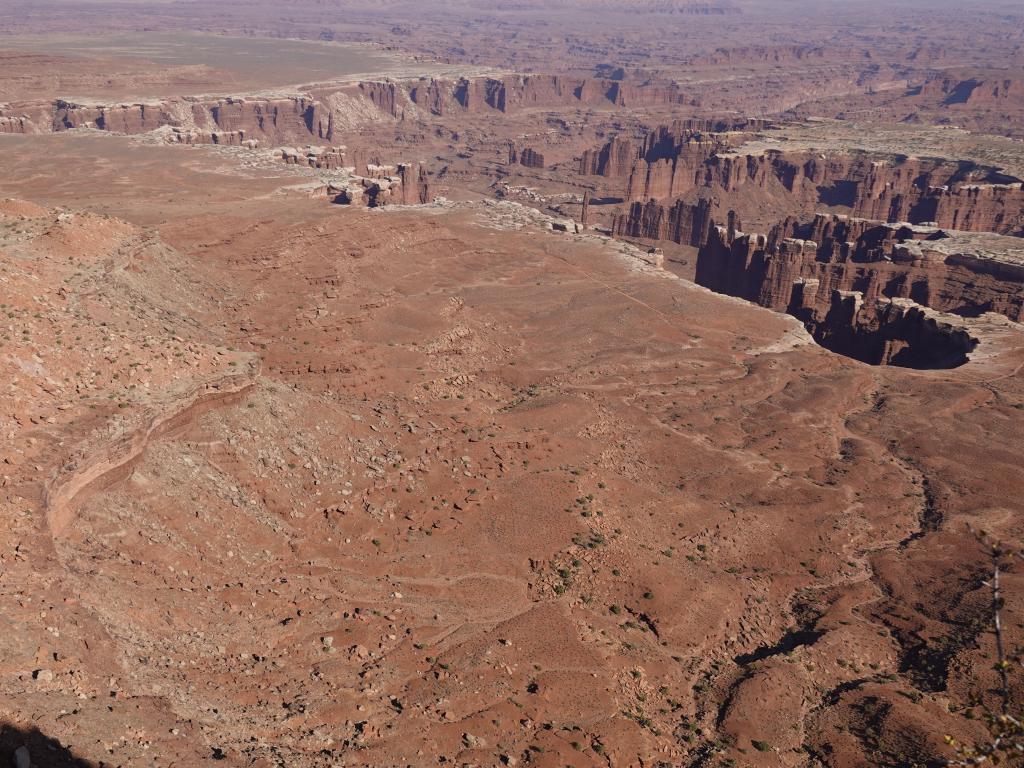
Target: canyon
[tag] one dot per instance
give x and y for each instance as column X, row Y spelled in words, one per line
column 909, row 231
column 312, row 115
column 570, row 383
column 849, row 277
column 678, row 163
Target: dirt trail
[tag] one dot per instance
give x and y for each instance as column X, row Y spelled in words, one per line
column 66, row 493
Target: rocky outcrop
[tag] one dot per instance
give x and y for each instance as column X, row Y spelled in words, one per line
column 324, row 158
column 614, row 159
column 764, row 54
column 870, row 290
column 619, row 156
column 273, row 121
column 276, row 119
column 895, row 189
column 682, row 162
column 516, row 92
column 405, row 184
column 973, row 92
column 386, row 96
column 19, row 120
column 119, row 118
column 322, row 112
column 219, row 138
column 15, row 125
column 894, row 332
column 659, row 177
column 527, row 157
column 947, row 271
column 512, row 93
column 971, row 199
column 814, row 279
column 431, row 95
column 415, row 187
column 681, row 223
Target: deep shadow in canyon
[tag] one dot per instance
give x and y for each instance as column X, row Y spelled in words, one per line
column 21, row 747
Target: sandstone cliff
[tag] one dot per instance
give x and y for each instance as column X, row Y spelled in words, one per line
column 797, row 268
column 681, row 223
column 620, row 154
column 857, row 283
column 404, row 184
column 16, row 124
column 527, row 157
column 679, row 162
column 892, row 332
column 322, row 113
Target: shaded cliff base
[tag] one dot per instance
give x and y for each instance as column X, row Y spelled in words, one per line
column 893, row 332
column 28, row 747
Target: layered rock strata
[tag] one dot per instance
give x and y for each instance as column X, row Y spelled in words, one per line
column 675, row 163
column 527, row 157
column 405, row 184
column 841, row 277
column 320, row 113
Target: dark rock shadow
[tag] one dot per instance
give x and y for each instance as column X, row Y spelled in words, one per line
column 31, row 747
column 962, row 92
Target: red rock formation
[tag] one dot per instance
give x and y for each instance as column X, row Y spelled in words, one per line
column 385, row 96
column 220, row 138
column 676, row 162
column 118, row 118
column 974, row 92
column 789, row 271
column 896, row 332
column 432, row 95
column 276, row 119
column 631, row 95
column 311, row 117
column 15, row 124
column 996, row 92
column 765, row 54
column 871, row 290
column 132, row 118
column 405, row 184
column 682, row 223
column 530, row 158
column 516, row 92
column 620, row 154
column 667, row 177
column 614, row 159
column 325, row 158
column 415, row 189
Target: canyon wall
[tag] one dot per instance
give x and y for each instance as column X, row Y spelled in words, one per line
column 404, row 184
column 894, row 332
column 526, row 157
column 998, row 91
column 685, row 223
column 319, row 114
column 674, row 163
column 16, row 124
column 620, row 154
column 273, row 121
column 872, row 290
column 797, row 267
column 511, row 93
